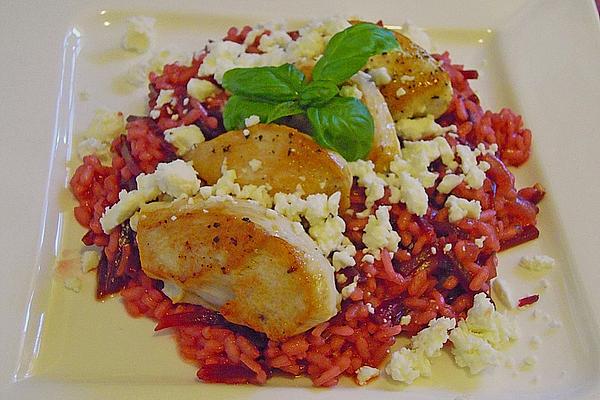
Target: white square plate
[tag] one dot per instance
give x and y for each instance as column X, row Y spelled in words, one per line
column 540, row 58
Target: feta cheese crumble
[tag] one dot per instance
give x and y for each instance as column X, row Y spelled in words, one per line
column 449, row 183
column 538, row 263
column 105, row 126
column 502, row 292
column 349, row 289
column 420, row 128
column 276, row 45
column 368, row 178
column 201, row 89
column 165, row 96
column 365, row 373
column 408, row 364
column 94, row 146
column 137, row 74
column 139, row 34
column 176, row 179
column 89, row 260
column 380, row 76
column 480, row 337
column 326, row 227
column 474, row 173
column 459, row 208
column 73, row 284
column 379, row 233
column 251, row 121
column 184, row 138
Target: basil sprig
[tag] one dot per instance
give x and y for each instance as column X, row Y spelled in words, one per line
column 339, row 123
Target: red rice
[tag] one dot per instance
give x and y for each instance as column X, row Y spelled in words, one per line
column 412, row 282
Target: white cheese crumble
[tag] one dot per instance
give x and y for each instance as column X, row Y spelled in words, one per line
column 431, row 339
column 184, row 138
column 73, row 284
column 368, row 178
column 537, row 263
column 400, row 92
column 277, row 46
column 94, row 146
column 420, row 128
column 459, row 208
column 417, row 156
column 365, row 373
column 410, row 191
column 349, row 289
column 343, row 258
column 449, row 182
column 479, row 242
column 139, row 35
column 328, row 234
column 474, row 173
column 89, row 260
column 255, row 164
column 405, row 319
column 326, row 227
column 502, row 292
column 176, row 179
column 408, row 364
column 379, row 233
column 407, row 78
column 105, row 126
column 201, row 89
column 137, row 74
column 380, row 76
column 479, row 338
column 368, row 258
column 165, row 96
column 351, row 91
column 251, row 121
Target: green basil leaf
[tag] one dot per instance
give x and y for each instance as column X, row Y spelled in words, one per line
column 343, row 124
column 318, row 93
column 238, row 108
column 283, row 110
column 349, row 50
column 274, row 84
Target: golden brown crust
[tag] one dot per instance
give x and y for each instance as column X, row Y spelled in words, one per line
column 289, row 158
column 236, row 267
column 429, row 93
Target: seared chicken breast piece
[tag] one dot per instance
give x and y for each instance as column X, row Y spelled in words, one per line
column 288, row 158
column 419, row 85
column 385, row 140
column 249, row 263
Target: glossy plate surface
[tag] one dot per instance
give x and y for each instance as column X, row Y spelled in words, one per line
column 540, row 58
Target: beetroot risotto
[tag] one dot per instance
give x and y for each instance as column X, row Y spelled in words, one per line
column 415, row 231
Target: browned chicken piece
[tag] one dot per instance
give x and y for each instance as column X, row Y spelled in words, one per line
column 385, row 140
column 288, row 158
column 426, row 85
column 236, row 257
